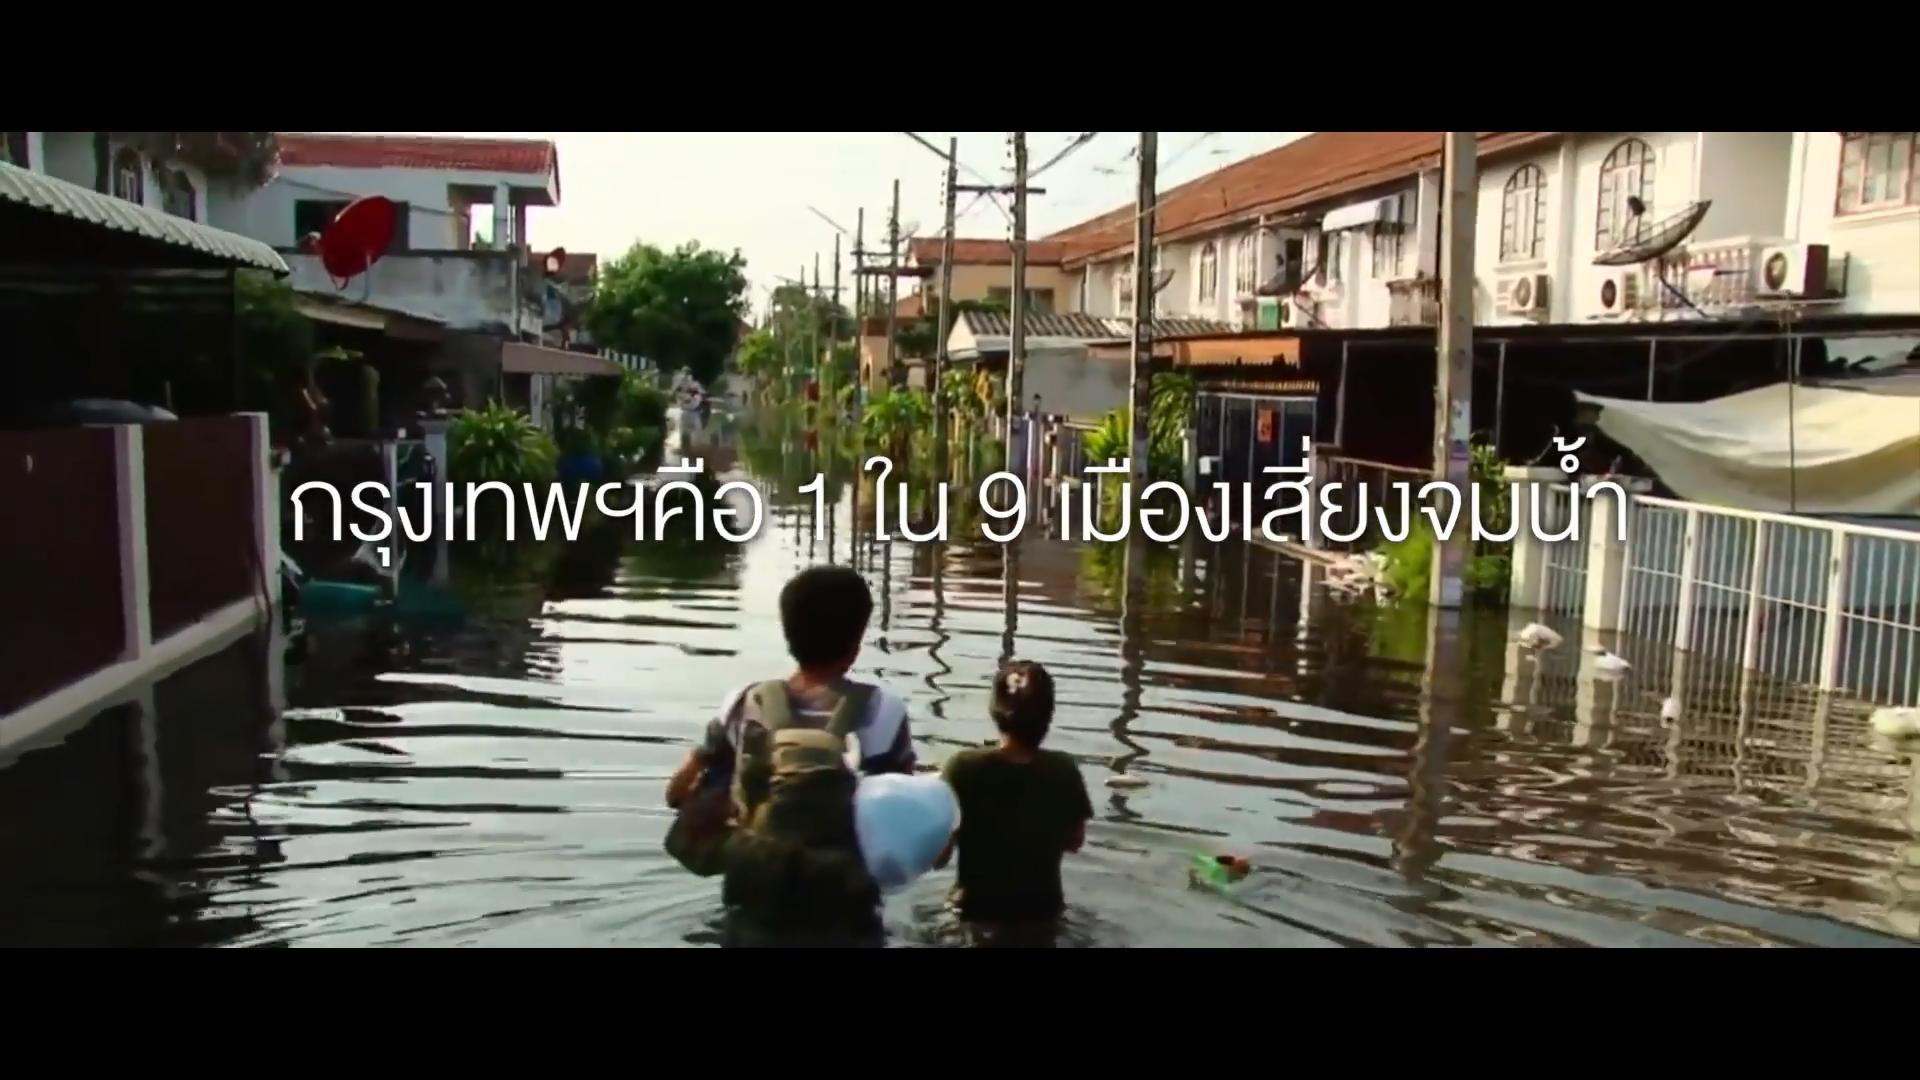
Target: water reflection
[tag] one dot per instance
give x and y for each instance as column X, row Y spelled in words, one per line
column 494, row 778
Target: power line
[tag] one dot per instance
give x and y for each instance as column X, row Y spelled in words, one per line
column 970, row 170
column 1075, row 143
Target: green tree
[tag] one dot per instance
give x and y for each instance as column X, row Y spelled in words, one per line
column 678, row 308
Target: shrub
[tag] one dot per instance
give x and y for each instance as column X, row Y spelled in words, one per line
column 499, row 443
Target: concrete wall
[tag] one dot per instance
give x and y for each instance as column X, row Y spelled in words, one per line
column 468, row 289
column 1070, row 383
column 1882, row 246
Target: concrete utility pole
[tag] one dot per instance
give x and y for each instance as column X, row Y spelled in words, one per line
column 1017, row 336
column 829, row 389
column 1453, row 390
column 896, row 376
column 940, row 327
column 1142, row 397
column 859, row 310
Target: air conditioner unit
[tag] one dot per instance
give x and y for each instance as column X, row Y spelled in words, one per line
column 1524, row 295
column 1619, row 292
column 1295, row 315
column 1793, row 270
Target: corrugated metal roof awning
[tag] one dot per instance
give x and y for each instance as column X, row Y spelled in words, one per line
column 24, row 187
column 520, row 358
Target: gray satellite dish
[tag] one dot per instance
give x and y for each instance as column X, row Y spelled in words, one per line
column 1652, row 240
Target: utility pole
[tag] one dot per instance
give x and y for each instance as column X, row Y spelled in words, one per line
column 1017, row 336
column 859, row 310
column 940, row 325
column 1453, row 390
column 830, row 390
column 1142, row 394
column 896, row 376
column 1140, row 403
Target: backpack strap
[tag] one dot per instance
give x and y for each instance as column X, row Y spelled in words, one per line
column 767, row 704
column 850, row 709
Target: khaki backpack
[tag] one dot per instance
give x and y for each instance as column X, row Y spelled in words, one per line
column 790, row 780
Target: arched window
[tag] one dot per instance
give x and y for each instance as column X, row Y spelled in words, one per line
column 129, row 175
column 178, row 197
column 1209, row 273
column 1246, row 264
column 1626, row 174
column 1523, row 215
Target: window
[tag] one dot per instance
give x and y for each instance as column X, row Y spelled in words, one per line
column 13, row 150
column 314, row 215
column 1039, row 301
column 178, row 197
column 1523, row 215
column 1627, row 174
column 1246, row 265
column 1209, row 273
column 1086, row 289
column 129, row 175
column 1333, row 257
column 1878, row 169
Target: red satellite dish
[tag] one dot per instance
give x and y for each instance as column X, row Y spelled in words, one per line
column 356, row 238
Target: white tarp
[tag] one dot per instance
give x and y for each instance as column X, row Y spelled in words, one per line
column 1833, row 452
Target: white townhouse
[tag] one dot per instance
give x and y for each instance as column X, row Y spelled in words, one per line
column 1340, row 230
column 1830, row 220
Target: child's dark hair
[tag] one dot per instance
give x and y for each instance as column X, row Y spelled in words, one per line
column 1022, row 706
column 823, row 613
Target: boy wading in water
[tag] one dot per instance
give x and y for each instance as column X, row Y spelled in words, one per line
column 1021, row 808
column 767, row 797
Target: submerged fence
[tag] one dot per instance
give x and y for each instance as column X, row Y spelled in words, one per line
column 1828, row 605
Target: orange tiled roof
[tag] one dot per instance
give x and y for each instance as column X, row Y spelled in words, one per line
column 926, row 251
column 418, row 152
column 1323, row 165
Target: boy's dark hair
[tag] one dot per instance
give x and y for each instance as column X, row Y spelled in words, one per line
column 823, row 613
column 1022, row 706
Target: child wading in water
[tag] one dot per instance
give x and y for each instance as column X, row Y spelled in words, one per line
column 1021, row 808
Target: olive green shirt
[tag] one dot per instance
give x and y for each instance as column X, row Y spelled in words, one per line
column 1015, row 821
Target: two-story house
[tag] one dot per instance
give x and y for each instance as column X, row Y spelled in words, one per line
column 432, row 267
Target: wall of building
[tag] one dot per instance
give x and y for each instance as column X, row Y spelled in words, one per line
column 976, row 281
column 1071, row 383
column 467, row 289
column 1674, row 186
column 1882, row 246
column 68, row 155
column 1745, row 174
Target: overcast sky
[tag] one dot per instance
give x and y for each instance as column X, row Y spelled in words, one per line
column 751, row 189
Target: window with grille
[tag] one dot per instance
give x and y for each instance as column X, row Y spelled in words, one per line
column 1523, row 215
column 1333, row 259
column 1209, row 273
column 1878, row 170
column 129, row 175
column 1389, row 238
column 1246, row 264
column 1627, row 174
column 178, row 197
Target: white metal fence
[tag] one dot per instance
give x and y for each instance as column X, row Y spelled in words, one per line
column 1565, row 590
column 1832, row 606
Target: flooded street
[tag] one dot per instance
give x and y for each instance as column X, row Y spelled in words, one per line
column 496, row 779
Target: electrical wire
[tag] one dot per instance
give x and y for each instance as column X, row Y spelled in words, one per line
column 1073, row 144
